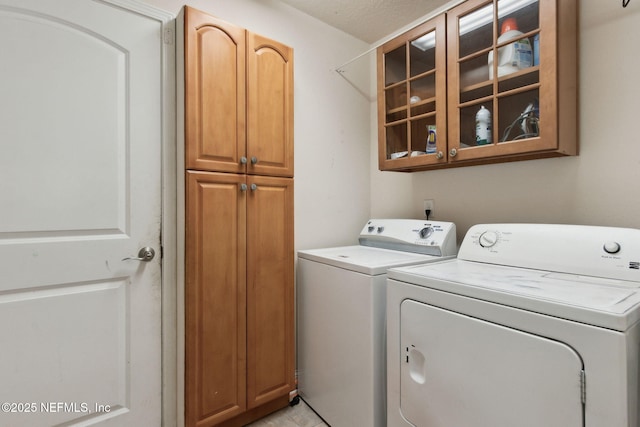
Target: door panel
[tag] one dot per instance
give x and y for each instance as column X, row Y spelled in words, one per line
column 80, row 155
column 457, row 370
column 215, row 297
column 270, row 322
column 270, row 107
column 214, row 93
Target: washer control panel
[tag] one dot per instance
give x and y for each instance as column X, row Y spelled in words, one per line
column 576, row 249
column 411, row 235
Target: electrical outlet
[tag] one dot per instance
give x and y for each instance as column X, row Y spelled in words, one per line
column 429, row 205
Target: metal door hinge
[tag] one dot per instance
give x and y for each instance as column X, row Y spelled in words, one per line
column 583, row 387
column 169, row 36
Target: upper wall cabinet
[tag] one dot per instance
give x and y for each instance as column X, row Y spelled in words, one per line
column 238, row 99
column 511, row 88
column 412, row 98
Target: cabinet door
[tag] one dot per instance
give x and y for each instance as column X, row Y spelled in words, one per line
column 412, row 96
column 215, row 297
column 215, row 52
column 522, row 104
column 270, row 107
column 270, row 299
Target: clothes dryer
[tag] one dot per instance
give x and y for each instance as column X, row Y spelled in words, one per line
column 531, row 325
column 341, row 316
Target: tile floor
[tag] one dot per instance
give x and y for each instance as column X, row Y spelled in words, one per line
column 299, row 415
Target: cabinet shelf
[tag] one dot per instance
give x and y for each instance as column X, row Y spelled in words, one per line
column 520, row 74
column 415, row 104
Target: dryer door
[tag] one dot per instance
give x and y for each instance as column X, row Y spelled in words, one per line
column 457, row 370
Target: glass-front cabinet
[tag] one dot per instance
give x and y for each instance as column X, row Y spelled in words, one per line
column 511, row 86
column 412, row 98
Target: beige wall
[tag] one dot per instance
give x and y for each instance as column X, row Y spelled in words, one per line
column 598, row 187
column 338, row 185
column 331, row 134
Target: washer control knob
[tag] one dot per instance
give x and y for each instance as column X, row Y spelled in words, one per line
column 380, row 229
column 425, row 232
column 371, row 228
column 611, row 247
column 488, row 239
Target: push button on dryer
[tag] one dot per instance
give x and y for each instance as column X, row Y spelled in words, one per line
column 611, row 247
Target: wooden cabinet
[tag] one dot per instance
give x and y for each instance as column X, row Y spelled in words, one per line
column 270, row 107
column 412, row 98
column 238, row 294
column 239, row 243
column 529, row 93
column 239, row 99
column 215, row 298
column 270, row 294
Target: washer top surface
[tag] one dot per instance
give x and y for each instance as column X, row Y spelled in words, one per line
column 579, row 273
column 386, row 243
column 364, row 259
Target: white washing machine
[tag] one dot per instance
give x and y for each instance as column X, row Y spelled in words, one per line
column 341, row 321
column 531, row 326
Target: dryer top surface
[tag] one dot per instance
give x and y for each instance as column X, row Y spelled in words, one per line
column 582, row 273
column 609, row 303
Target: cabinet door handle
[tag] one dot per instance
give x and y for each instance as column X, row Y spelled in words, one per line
column 254, row 160
column 243, row 187
column 254, row 187
column 243, row 160
column 453, row 152
column 439, row 155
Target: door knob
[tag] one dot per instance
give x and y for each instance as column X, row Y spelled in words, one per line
column 145, row 254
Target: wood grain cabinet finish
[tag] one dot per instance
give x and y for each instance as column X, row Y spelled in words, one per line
column 270, row 284
column 215, row 298
column 270, row 107
column 239, row 99
column 531, row 101
column 239, row 242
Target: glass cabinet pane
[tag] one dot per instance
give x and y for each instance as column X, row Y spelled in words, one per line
column 519, row 116
column 395, row 66
column 396, row 102
column 475, row 31
column 396, row 137
column 423, row 136
column 473, row 71
column 422, row 54
column 525, row 13
column 476, row 125
column 518, row 27
column 423, row 94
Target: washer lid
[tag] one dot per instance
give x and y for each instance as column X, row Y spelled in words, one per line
column 364, row 259
column 609, row 303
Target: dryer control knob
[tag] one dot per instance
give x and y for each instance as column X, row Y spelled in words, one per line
column 611, row 247
column 488, row 239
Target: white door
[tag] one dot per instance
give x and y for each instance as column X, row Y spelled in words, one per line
column 80, row 156
column 457, row 370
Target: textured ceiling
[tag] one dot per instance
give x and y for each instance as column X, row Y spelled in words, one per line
column 367, row 20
